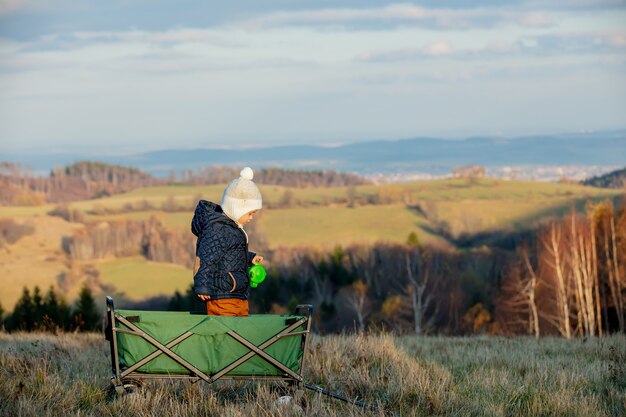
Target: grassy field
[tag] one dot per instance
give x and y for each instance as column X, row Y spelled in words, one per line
column 432, row 190
column 138, row 278
column 68, row 375
column 455, row 205
column 36, row 259
column 328, row 226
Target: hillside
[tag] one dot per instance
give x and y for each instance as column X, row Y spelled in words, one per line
column 614, row 179
column 438, row 212
column 68, row 375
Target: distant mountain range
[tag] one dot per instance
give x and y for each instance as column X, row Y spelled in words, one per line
column 430, row 156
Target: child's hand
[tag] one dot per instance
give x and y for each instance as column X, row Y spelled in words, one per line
column 257, row 259
column 204, row 297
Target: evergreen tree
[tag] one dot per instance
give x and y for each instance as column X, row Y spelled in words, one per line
column 23, row 317
column 413, row 240
column 177, row 302
column 55, row 312
column 1, row 317
column 86, row 316
column 38, row 308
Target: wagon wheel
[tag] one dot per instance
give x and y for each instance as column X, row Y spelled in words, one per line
column 127, row 386
column 132, row 385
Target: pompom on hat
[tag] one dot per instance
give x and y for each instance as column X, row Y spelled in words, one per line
column 241, row 196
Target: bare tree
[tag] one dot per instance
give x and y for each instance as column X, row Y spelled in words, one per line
column 420, row 288
column 516, row 306
column 553, row 245
column 529, row 290
column 358, row 301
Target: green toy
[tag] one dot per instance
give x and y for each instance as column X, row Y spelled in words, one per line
column 257, row 274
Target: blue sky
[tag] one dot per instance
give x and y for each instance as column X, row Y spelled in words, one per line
column 128, row 75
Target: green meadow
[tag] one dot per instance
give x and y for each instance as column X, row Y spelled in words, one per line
column 138, row 278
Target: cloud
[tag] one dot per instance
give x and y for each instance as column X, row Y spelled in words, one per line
column 592, row 42
column 437, row 49
column 8, row 6
column 182, row 35
column 542, row 45
column 535, row 19
column 403, row 14
column 576, row 4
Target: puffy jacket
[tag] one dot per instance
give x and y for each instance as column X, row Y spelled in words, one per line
column 222, row 249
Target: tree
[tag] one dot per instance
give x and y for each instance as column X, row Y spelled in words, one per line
column 37, row 307
column 420, row 288
column 553, row 243
column 358, row 301
column 351, row 196
column 517, row 299
column 23, row 317
column 86, row 316
column 56, row 314
column 413, row 240
column 287, row 200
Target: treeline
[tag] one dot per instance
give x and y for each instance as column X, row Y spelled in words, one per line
column 88, row 179
column 121, row 238
column 50, row 312
column 269, row 176
column 613, row 179
column 406, row 288
column 79, row 181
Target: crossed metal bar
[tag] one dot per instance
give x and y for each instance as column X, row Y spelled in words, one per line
column 118, row 374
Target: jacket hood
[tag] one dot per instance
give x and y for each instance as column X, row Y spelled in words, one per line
column 207, row 214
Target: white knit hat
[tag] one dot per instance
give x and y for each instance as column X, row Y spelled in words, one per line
column 241, row 196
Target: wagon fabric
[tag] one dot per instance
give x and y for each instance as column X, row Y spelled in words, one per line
column 210, row 348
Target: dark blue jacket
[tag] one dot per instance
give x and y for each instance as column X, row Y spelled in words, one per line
column 222, row 249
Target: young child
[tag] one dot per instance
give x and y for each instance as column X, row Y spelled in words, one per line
column 222, row 257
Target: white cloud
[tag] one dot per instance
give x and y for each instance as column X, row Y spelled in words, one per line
column 438, row 49
column 617, row 40
column 439, row 18
column 536, row 19
column 552, row 45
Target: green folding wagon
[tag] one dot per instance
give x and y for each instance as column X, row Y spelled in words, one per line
column 182, row 345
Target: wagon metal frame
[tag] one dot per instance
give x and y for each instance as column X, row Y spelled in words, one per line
column 119, row 324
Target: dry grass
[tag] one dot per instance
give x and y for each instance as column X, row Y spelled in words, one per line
column 45, row 375
column 34, row 260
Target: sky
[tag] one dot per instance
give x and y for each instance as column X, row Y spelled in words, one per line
column 132, row 75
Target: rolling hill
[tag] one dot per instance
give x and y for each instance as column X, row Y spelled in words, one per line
column 438, row 211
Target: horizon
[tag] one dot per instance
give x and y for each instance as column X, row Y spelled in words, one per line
column 76, row 150
column 144, row 75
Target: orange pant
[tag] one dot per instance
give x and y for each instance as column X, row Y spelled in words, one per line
column 227, row 307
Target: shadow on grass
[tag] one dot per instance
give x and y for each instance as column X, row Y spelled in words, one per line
column 524, row 229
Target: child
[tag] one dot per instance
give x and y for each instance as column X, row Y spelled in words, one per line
column 222, row 257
